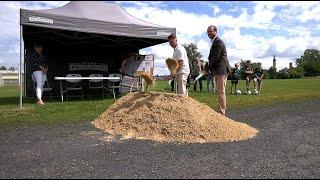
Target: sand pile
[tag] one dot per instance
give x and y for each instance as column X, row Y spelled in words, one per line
column 171, row 118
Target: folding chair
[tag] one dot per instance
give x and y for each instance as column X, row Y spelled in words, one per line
column 74, row 85
column 115, row 84
column 96, row 84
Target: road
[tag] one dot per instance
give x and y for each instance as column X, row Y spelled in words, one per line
column 287, row 146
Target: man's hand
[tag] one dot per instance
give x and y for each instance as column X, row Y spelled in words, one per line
column 204, row 72
column 173, row 75
column 44, row 70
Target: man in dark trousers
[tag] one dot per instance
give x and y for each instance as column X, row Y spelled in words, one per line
column 219, row 66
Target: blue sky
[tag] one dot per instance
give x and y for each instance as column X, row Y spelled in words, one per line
column 254, row 30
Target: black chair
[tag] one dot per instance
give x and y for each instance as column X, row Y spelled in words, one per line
column 96, row 85
column 114, row 84
column 73, row 85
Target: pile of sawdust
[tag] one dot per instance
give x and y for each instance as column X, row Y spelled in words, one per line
column 171, row 118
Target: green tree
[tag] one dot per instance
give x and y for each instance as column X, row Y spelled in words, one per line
column 242, row 64
column 295, row 73
column 192, row 52
column 299, row 71
column 310, row 62
column 266, row 74
column 254, row 65
column 273, row 72
column 12, row 68
column 283, row 74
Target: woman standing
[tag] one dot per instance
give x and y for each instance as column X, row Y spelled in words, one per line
column 40, row 69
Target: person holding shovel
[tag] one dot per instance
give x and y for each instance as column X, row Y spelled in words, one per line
column 183, row 71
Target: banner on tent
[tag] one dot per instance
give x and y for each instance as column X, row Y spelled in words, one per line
column 88, row 66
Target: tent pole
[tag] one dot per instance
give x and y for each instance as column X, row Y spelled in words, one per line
column 20, row 71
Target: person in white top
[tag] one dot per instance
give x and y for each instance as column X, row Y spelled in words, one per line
column 183, row 71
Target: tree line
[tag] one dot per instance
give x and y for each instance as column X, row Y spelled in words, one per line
column 308, row 65
column 11, row 68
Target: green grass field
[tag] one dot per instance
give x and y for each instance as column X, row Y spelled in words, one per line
column 55, row 112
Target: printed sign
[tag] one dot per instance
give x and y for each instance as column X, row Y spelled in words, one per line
column 88, row 66
column 139, row 63
column 40, row 19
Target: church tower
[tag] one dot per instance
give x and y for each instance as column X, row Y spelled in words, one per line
column 274, row 61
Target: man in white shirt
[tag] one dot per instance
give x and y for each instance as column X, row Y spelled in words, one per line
column 183, row 71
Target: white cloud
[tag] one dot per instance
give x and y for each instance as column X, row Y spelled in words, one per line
column 204, row 48
column 215, row 9
column 310, row 14
column 10, row 14
column 240, row 46
column 263, row 13
column 15, row 50
column 196, row 25
column 143, row 3
column 288, row 44
column 9, row 20
column 294, row 10
column 289, row 14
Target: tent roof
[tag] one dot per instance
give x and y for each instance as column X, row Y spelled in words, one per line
column 92, row 17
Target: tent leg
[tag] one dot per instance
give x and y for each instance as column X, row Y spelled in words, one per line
column 20, row 70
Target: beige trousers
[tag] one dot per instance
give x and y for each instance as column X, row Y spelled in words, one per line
column 181, row 80
column 221, row 81
column 257, row 84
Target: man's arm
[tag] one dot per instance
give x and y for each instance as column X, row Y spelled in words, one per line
column 180, row 63
column 215, row 54
column 256, row 74
column 262, row 76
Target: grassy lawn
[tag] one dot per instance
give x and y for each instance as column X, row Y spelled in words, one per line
column 55, row 112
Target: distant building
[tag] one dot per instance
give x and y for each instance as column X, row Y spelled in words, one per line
column 274, row 61
column 290, row 66
column 8, row 77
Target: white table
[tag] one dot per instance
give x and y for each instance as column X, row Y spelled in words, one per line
column 82, row 78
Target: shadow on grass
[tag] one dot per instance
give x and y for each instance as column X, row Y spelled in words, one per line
column 16, row 100
column 9, row 100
